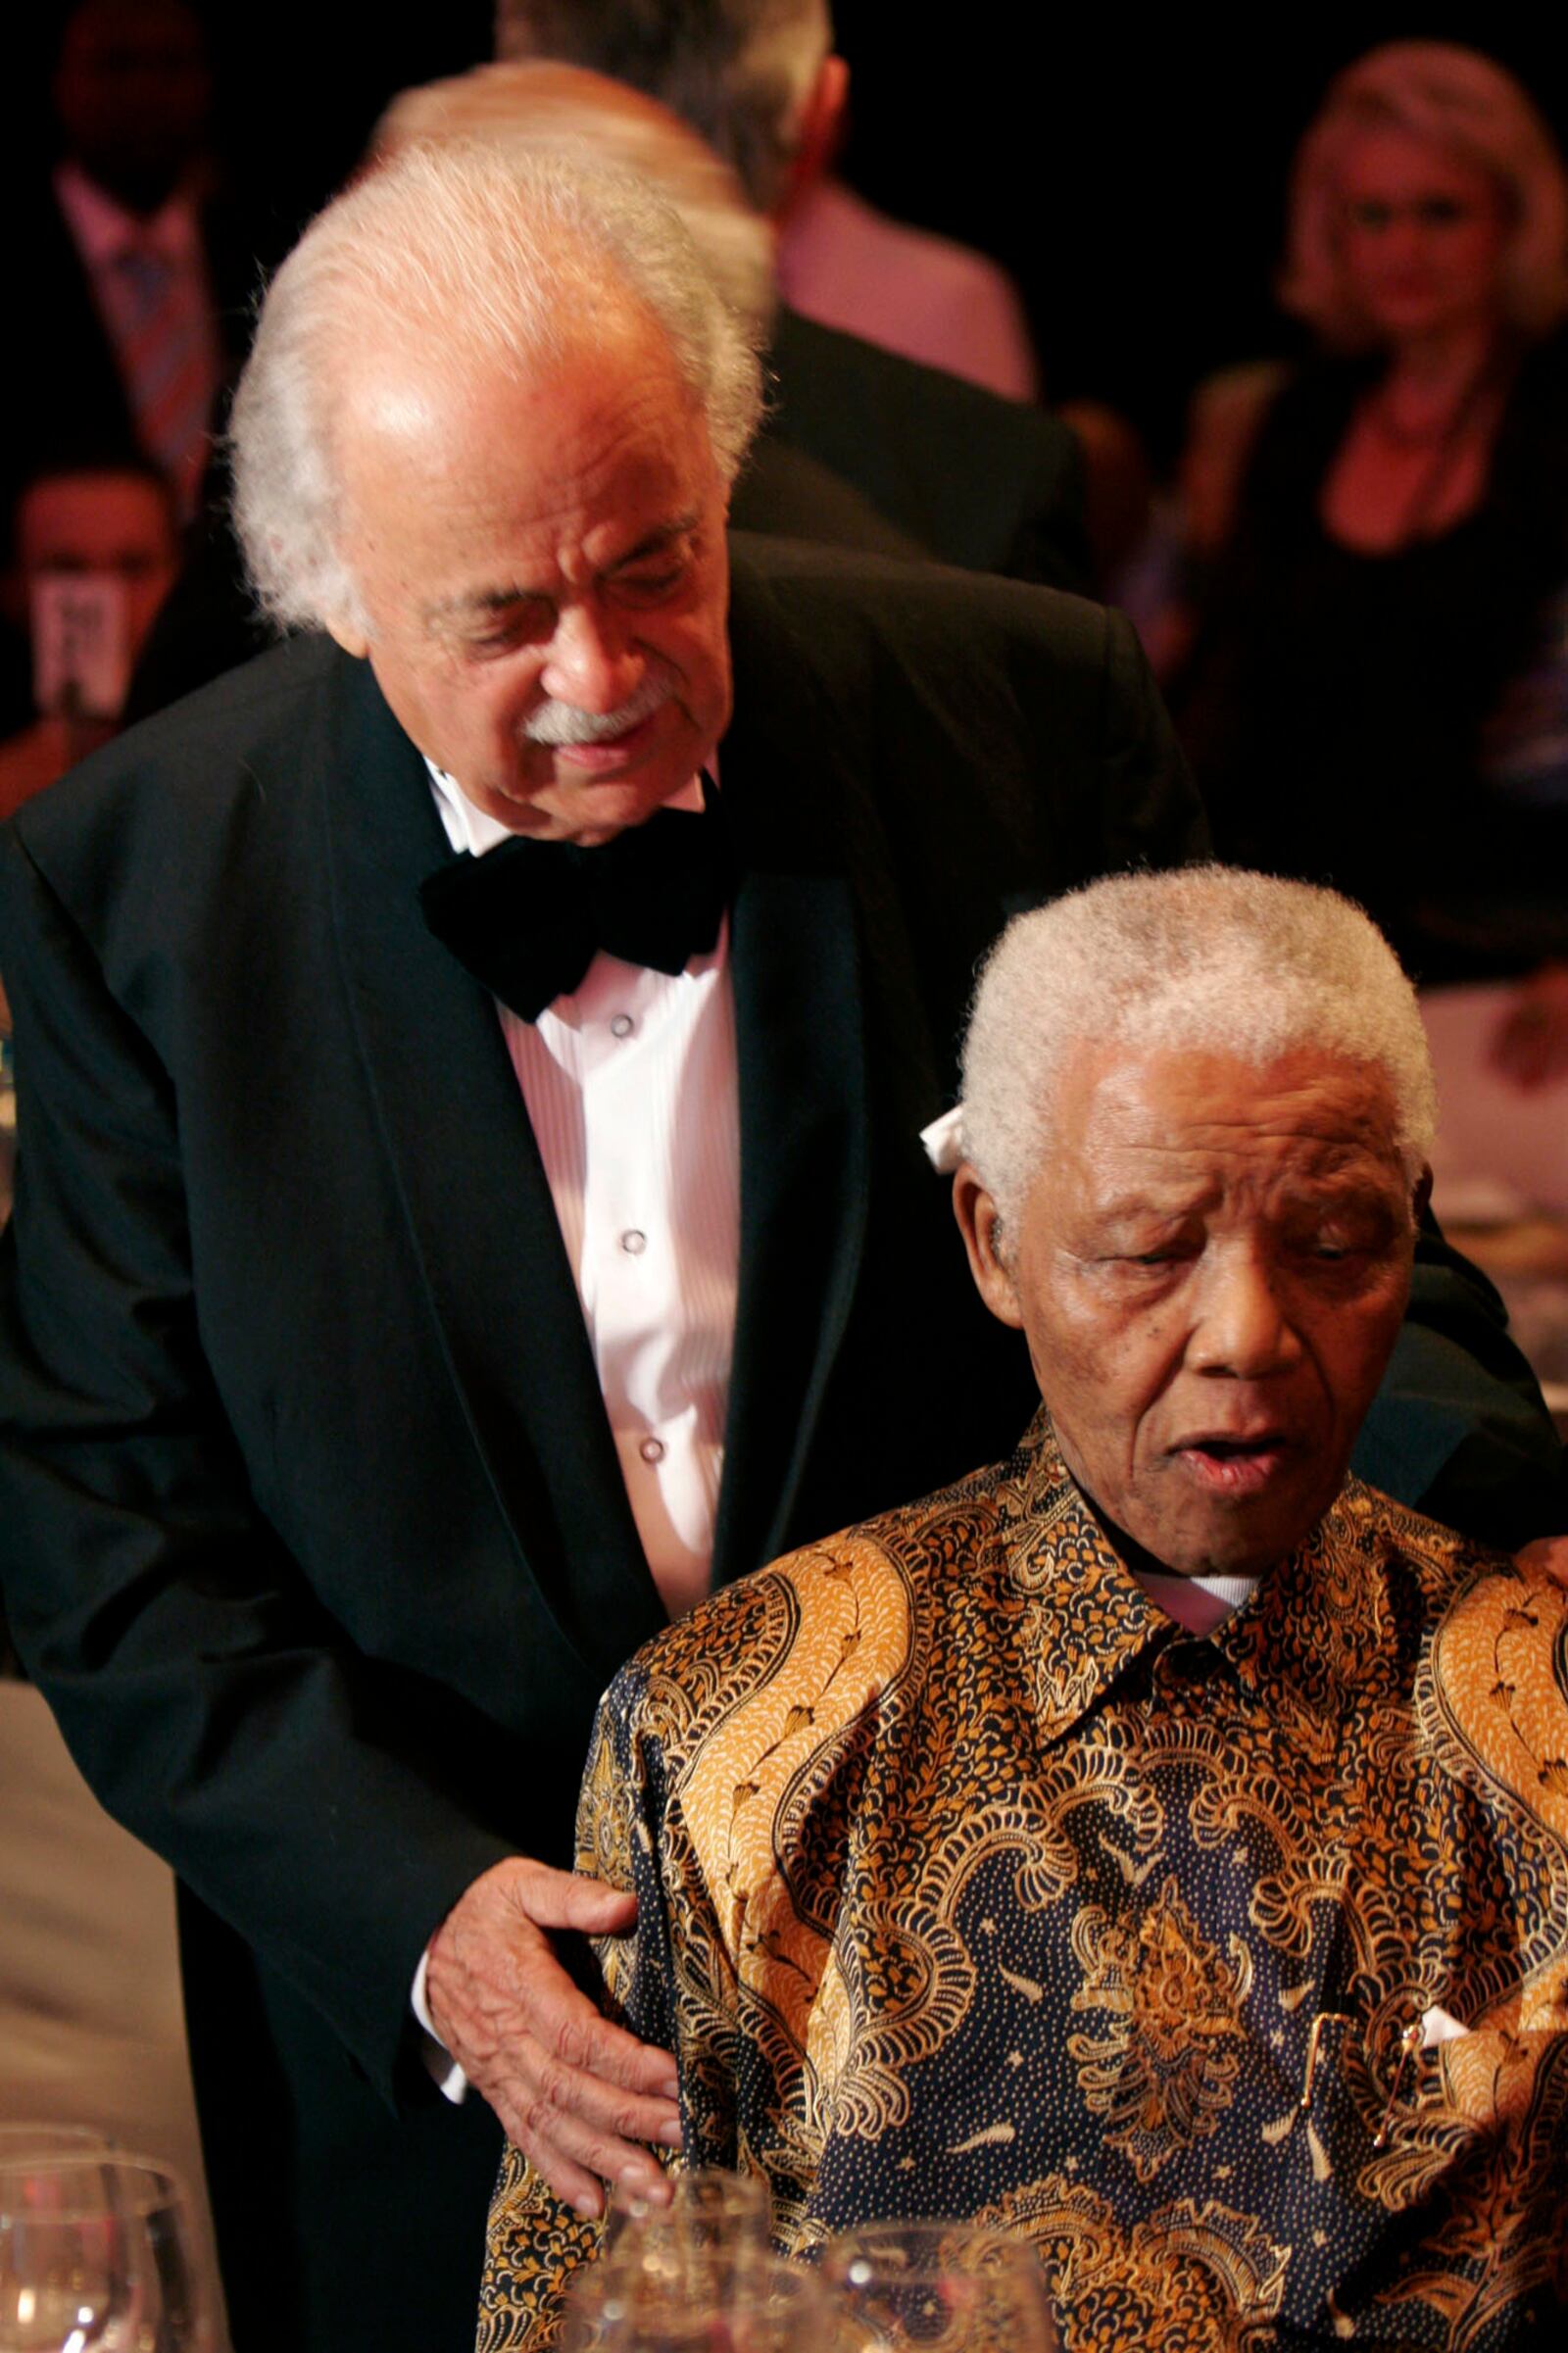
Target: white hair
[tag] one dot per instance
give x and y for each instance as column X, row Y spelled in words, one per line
column 481, row 256
column 540, row 107
column 1205, row 957
column 741, row 72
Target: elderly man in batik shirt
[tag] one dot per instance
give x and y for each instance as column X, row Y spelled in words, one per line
column 1157, row 1843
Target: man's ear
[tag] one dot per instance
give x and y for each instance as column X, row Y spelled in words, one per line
column 349, row 635
column 819, row 134
column 980, row 1224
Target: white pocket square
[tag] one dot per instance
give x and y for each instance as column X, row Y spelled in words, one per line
column 1436, row 2026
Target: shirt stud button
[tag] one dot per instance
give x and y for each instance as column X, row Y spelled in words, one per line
column 651, row 1449
column 623, row 1026
column 634, row 1242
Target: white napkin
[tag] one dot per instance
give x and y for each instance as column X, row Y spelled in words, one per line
column 944, row 1141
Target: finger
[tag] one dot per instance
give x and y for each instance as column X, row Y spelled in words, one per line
column 567, row 2026
column 495, row 1985
column 579, row 2133
column 569, row 1899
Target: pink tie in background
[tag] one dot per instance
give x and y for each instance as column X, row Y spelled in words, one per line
column 164, row 338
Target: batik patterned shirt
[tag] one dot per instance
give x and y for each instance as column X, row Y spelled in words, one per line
column 968, row 1884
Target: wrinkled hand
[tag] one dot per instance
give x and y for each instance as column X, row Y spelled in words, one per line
column 577, row 2094
column 1548, row 1552
column 1530, row 1044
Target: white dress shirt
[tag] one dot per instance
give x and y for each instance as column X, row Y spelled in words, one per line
column 631, row 1088
column 632, row 1091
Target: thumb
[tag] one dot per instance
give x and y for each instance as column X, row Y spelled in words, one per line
column 570, row 1899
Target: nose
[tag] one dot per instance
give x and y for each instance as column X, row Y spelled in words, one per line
column 589, row 663
column 1242, row 1329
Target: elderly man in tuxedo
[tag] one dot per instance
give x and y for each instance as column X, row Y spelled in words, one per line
column 468, row 1195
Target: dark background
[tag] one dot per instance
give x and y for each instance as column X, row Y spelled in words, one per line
column 1133, row 180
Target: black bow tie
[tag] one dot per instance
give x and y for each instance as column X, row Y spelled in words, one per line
column 528, row 917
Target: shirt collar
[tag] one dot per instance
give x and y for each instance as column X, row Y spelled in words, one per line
column 1320, row 1632
column 470, row 828
column 1089, row 1619
column 104, row 230
column 1315, row 1634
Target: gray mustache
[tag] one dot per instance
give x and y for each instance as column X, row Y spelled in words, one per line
column 562, row 723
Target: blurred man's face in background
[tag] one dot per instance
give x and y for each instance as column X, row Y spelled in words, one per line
column 114, row 524
column 95, row 553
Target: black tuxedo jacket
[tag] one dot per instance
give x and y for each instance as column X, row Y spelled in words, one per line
column 311, row 1526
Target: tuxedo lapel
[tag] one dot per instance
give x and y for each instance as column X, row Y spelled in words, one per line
column 475, row 1194
column 831, row 1042
column 801, row 1046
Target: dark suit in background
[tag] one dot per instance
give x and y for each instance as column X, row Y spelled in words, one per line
column 66, row 395
column 993, row 485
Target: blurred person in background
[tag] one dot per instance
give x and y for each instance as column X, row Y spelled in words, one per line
column 94, row 550
column 132, row 269
column 761, row 78
column 979, row 479
column 1402, row 526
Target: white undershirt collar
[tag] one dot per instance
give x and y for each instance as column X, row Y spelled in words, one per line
column 1200, row 1604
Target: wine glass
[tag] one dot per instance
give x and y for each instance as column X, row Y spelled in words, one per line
column 95, row 2257
column 704, row 2243
column 938, row 2287
column 770, row 2306
column 26, row 2144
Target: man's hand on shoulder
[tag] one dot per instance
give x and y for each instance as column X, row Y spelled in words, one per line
column 577, row 2094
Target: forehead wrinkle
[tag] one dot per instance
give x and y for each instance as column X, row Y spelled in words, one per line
column 1323, row 1163
column 1327, row 1105
column 1164, row 1177
column 1219, row 1143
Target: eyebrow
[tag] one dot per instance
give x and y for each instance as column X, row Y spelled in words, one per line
column 481, row 601
column 476, row 605
column 656, row 541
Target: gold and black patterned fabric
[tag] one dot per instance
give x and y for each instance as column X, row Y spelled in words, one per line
column 970, row 1885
